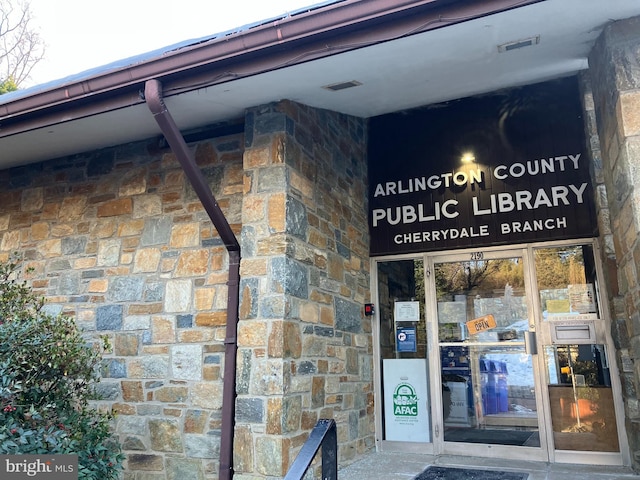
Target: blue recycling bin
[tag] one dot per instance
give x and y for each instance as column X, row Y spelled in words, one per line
column 495, row 388
column 489, row 387
column 502, row 387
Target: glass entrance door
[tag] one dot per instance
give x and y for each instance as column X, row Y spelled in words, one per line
column 486, row 346
column 573, row 333
column 502, row 353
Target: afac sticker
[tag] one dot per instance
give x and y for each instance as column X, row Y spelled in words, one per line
column 405, row 401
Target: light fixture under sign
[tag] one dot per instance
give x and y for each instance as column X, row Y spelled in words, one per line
column 468, row 157
column 525, row 42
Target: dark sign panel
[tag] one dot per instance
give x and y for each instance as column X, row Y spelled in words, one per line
column 504, row 168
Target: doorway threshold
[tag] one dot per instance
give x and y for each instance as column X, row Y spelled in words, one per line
column 400, row 466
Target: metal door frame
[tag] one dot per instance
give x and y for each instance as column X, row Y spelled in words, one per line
column 545, row 451
column 603, row 336
column 479, row 449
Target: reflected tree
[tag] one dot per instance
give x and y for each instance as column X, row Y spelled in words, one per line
column 459, row 277
column 557, row 268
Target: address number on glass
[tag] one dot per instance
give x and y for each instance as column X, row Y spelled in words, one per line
column 477, row 255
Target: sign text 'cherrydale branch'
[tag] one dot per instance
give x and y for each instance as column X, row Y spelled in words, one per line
column 481, row 202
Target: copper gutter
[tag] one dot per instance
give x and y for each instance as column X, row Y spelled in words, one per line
column 153, row 98
column 329, row 30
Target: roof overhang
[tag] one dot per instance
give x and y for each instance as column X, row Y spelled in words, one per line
column 400, row 53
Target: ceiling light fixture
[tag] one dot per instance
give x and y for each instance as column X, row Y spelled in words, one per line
column 525, row 42
column 468, row 157
column 342, row 85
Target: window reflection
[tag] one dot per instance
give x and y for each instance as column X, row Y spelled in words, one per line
column 566, row 282
column 581, row 398
column 481, row 301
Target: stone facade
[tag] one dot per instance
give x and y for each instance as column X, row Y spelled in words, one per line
column 118, row 240
column 305, row 348
column 615, row 80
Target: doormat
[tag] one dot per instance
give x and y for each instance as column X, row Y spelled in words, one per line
column 446, row 473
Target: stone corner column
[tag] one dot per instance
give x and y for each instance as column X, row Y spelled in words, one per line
column 615, row 81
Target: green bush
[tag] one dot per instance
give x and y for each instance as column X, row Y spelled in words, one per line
column 7, row 86
column 48, row 372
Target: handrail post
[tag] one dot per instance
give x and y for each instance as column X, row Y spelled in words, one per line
column 323, row 435
column 330, row 455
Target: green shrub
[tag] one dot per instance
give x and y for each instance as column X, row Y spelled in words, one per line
column 47, row 376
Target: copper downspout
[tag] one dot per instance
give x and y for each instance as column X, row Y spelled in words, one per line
column 153, row 98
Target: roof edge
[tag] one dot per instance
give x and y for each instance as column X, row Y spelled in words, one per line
column 334, row 18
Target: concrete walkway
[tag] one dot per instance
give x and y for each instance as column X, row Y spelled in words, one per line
column 397, row 466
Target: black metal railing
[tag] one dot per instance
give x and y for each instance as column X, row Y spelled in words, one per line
column 323, row 435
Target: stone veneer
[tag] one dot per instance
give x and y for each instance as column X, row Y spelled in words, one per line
column 305, row 348
column 118, row 240
column 615, row 81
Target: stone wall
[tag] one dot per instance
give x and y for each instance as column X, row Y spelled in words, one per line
column 615, row 80
column 118, row 240
column 305, row 347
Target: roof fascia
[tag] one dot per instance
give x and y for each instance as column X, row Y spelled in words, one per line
column 326, row 31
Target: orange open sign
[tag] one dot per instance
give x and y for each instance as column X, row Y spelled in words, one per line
column 481, row 324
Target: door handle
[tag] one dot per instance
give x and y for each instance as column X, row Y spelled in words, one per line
column 530, row 344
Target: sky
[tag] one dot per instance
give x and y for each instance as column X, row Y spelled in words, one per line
column 81, row 35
